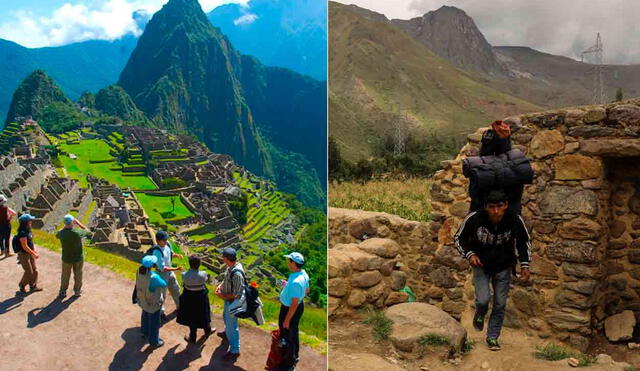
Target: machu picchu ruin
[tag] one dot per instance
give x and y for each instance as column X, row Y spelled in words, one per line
column 127, row 182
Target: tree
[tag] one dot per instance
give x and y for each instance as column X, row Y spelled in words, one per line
column 619, row 96
column 170, row 183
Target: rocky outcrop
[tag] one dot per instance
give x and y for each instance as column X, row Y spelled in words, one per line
column 412, row 322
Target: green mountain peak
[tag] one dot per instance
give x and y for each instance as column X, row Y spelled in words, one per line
column 34, row 93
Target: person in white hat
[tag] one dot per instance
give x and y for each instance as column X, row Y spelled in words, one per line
column 6, row 213
column 72, row 254
column 295, row 289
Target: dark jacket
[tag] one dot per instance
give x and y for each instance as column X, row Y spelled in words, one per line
column 495, row 245
column 492, row 145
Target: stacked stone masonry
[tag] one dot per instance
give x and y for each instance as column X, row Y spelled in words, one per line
column 582, row 211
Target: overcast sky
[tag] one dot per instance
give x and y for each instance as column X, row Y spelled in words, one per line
column 562, row 27
column 37, row 23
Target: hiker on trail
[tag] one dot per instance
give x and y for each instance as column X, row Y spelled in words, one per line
column 195, row 309
column 231, row 291
column 72, row 254
column 488, row 239
column 295, row 289
column 494, row 142
column 150, row 292
column 6, row 213
column 23, row 245
column 162, row 251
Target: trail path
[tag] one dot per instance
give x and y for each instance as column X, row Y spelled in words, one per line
column 100, row 330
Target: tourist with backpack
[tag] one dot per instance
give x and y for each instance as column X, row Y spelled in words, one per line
column 292, row 307
column 72, row 254
column 195, row 309
column 231, row 290
column 162, row 251
column 150, row 292
column 6, row 213
column 25, row 248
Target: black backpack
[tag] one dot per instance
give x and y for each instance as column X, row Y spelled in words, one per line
column 251, row 295
column 134, row 295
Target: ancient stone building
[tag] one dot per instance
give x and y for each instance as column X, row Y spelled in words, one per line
column 583, row 212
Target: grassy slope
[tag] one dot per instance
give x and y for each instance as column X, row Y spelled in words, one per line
column 94, row 150
column 408, row 198
column 376, row 69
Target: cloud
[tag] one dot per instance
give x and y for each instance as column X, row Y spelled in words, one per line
column 245, row 19
column 86, row 20
column 565, row 27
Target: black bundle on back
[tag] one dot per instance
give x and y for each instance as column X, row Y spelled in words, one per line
column 505, row 170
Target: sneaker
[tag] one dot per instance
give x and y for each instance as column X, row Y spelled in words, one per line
column 23, row 289
column 221, row 335
column 478, row 322
column 77, row 294
column 493, row 344
column 160, row 343
column 35, row 289
column 62, row 294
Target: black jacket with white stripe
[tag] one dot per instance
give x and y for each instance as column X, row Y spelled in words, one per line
column 495, row 245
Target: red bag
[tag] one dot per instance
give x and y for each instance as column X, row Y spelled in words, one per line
column 276, row 354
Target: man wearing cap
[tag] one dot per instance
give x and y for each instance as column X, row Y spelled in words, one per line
column 488, row 238
column 72, row 254
column 292, row 306
column 162, row 251
column 6, row 213
column 231, row 291
column 25, row 248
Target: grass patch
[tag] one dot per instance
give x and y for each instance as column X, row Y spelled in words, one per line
column 433, row 340
column 408, row 198
column 556, row 352
column 468, row 345
column 160, row 209
column 380, row 325
column 98, row 150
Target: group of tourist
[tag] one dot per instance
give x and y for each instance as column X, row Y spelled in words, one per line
column 156, row 276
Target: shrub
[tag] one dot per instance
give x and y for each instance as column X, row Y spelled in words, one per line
column 381, row 325
column 434, row 340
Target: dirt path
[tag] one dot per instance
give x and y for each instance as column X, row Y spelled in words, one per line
column 100, row 330
column 351, row 345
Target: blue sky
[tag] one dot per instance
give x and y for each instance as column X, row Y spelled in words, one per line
column 38, row 23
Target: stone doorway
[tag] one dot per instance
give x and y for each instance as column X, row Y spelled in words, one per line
column 620, row 287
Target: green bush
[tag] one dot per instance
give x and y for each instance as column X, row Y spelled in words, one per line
column 433, row 340
column 380, row 325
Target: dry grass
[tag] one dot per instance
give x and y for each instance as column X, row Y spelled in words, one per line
column 407, row 198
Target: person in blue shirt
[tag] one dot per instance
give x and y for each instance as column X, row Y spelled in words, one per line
column 164, row 254
column 151, row 290
column 291, row 299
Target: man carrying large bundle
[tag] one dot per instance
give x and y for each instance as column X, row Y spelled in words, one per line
column 488, row 239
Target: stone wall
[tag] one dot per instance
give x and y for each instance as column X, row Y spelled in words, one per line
column 582, row 210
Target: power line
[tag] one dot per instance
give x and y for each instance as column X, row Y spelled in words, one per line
column 598, row 70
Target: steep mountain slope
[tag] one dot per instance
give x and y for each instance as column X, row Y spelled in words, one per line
column 114, row 101
column 451, row 34
column 79, row 67
column 33, row 94
column 378, row 74
column 185, row 75
column 284, row 33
